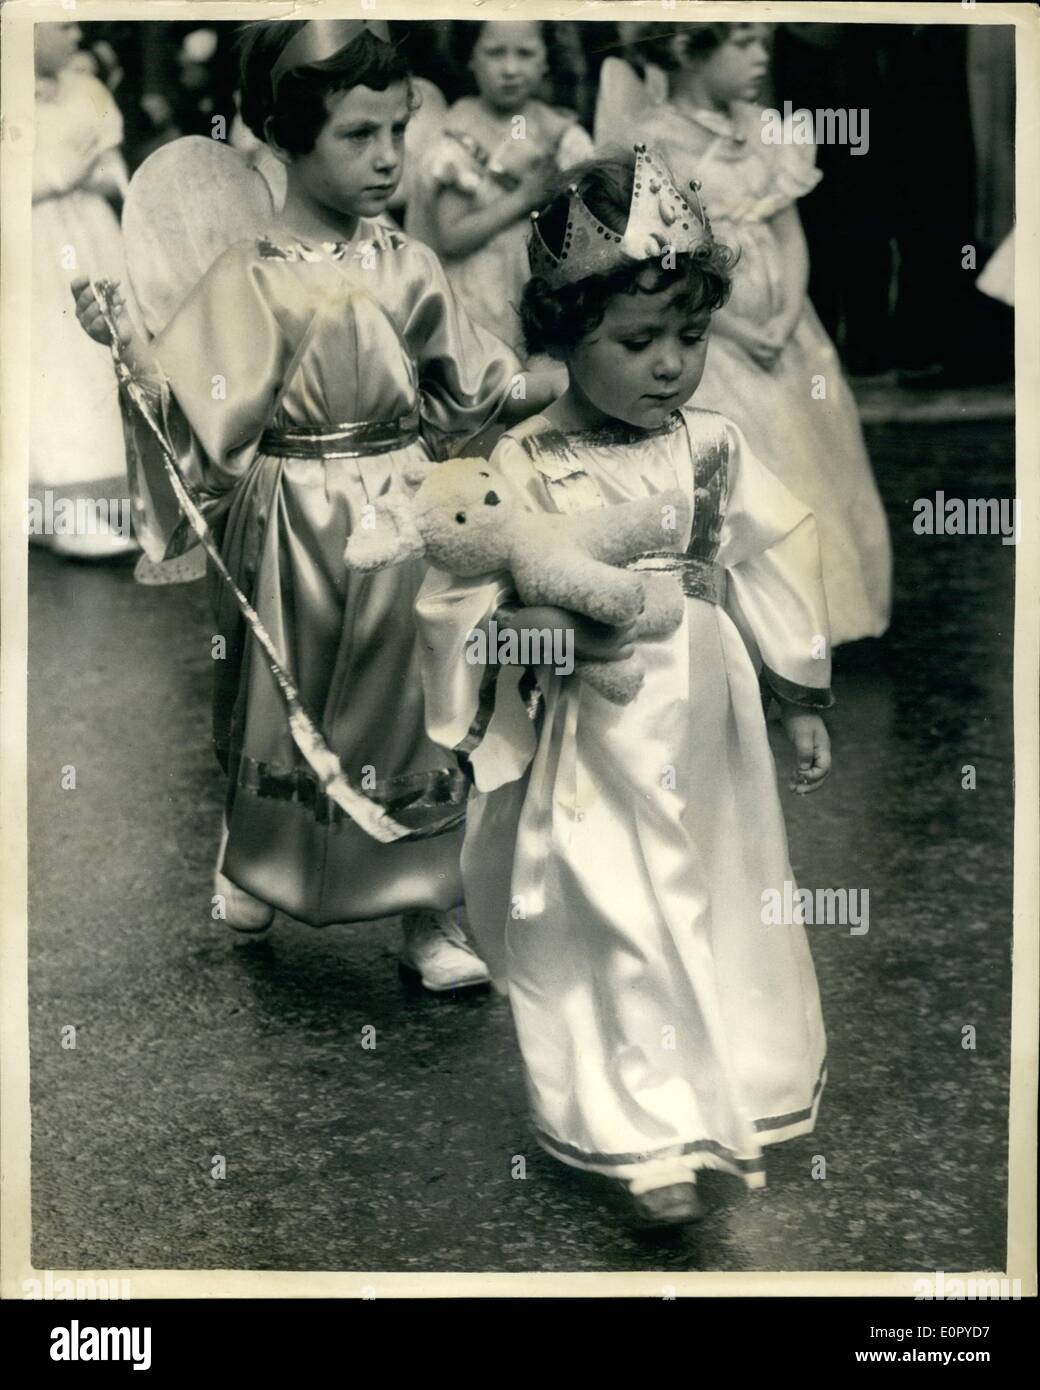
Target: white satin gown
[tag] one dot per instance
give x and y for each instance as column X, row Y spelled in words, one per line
column 616, row 856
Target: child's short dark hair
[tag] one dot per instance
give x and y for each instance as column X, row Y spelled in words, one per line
column 654, row 42
column 555, row 321
column 295, row 116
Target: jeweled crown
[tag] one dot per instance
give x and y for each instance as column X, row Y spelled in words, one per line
column 659, row 220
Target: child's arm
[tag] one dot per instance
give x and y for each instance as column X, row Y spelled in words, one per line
column 136, row 352
column 228, row 325
column 539, row 391
column 794, row 272
column 472, row 706
column 764, row 342
column 758, row 341
column 87, row 157
column 812, row 744
column 68, row 167
column 470, row 378
column 775, row 597
column 109, row 177
column 461, row 228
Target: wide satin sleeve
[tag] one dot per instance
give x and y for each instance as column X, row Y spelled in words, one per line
column 225, row 357
column 465, row 372
column 769, row 546
column 221, row 363
column 481, row 712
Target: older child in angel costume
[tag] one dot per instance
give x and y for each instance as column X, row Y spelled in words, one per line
column 490, row 168
column 771, row 360
column 77, row 438
column 616, row 856
column 298, row 382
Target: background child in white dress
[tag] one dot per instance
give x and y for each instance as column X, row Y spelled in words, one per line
column 616, row 857
column 471, row 197
column 772, row 367
column 77, row 437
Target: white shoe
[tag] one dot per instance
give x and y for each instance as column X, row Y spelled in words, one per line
column 242, row 911
column 103, row 544
column 435, row 947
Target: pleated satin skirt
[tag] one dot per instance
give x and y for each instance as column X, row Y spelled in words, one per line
column 617, row 894
column 349, row 642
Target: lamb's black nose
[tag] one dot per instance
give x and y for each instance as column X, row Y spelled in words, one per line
column 491, row 499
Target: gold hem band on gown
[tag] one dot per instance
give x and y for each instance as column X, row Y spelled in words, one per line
column 409, row 799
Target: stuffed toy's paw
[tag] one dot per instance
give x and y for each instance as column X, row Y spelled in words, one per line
column 663, row 608
column 387, row 535
column 620, row 681
column 549, row 573
column 617, row 681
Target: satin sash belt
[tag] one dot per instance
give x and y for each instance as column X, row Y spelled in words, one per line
column 351, row 440
column 699, row 578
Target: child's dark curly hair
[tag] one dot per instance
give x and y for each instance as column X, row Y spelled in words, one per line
column 293, row 118
column 555, row 321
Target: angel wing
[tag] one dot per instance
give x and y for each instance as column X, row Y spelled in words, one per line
column 424, row 127
column 623, row 96
column 186, row 204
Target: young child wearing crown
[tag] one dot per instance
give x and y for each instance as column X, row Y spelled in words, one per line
column 617, row 857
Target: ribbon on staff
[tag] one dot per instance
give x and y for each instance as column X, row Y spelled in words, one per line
column 363, row 810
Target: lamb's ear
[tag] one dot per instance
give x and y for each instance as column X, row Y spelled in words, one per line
column 387, row 536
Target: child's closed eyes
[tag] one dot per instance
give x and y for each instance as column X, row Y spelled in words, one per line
column 641, row 344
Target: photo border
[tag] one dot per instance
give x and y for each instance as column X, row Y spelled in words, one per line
column 16, row 98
